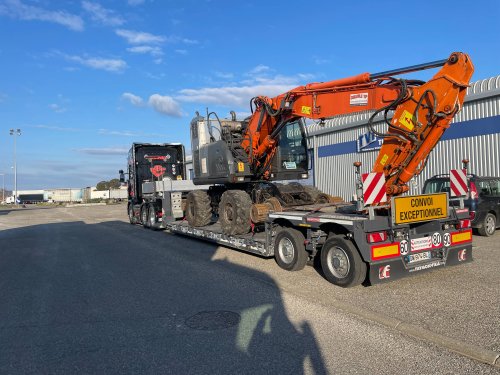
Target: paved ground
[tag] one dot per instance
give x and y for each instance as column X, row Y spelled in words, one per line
column 82, row 291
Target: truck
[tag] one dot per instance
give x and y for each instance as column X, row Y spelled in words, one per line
column 240, row 197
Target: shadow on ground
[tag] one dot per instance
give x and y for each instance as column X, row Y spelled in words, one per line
column 114, row 298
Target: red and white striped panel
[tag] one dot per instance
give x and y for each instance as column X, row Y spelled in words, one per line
column 374, row 190
column 458, row 183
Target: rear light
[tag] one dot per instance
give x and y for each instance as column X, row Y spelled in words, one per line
column 473, row 191
column 159, row 214
column 462, row 224
column 376, row 237
column 472, row 215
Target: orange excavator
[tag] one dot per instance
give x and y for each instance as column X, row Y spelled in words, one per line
column 240, row 159
column 422, row 112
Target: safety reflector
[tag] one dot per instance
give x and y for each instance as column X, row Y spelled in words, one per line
column 461, row 237
column 385, row 251
column 376, row 237
column 462, row 224
column 374, row 190
column 458, row 183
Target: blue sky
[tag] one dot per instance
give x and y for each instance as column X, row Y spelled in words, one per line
column 85, row 79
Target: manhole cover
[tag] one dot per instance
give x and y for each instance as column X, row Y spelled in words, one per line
column 213, row 320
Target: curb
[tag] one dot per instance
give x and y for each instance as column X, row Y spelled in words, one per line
column 85, row 204
column 472, row 351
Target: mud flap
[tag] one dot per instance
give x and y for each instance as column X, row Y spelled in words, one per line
column 391, row 270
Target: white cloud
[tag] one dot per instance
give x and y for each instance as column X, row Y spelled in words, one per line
column 16, row 9
column 259, row 69
column 140, row 37
column 105, row 16
column 230, row 95
column 57, row 128
column 152, row 50
column 57, row 108
column 110, row 65
column 239, row 95
column 103, row 151
column 135, row 2
column 181, row 51
column 130, row 133
column 165, row 105
column 133, row 99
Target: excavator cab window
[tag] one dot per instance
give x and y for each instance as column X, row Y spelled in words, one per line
column 291, row 160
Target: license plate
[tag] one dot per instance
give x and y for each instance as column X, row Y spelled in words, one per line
column 419, row 256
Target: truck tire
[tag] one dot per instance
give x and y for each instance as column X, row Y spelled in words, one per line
column 131, row 216
column 234, row 212
column 489, row 225
column 289, row 250
column 144, row 216
column 198, row 209
column 152, row 219
column 341, row 263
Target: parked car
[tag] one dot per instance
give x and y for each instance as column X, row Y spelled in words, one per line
column 483, row 200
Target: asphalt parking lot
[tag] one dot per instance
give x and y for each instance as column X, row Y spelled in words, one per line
column 137, row 283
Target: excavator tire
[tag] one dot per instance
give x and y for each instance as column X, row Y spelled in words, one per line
column 234, row 212
column 198, row 209
column 318, row 196
column 313, row 192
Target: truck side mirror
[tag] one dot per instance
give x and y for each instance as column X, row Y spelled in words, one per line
column 122, row 175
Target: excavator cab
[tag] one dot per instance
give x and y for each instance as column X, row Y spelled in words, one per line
column 291, row 161
column 218, row 157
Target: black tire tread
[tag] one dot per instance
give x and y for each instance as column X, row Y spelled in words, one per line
column 482, row 231
column 202, row 208
column 357, row 272
column 242, row 203
column 302, row 256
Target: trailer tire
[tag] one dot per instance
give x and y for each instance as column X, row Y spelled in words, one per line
column 131, row 216
column 289, row 249
column 198, row 209
column 234, row 212
column 341, row 263
column 144, row 216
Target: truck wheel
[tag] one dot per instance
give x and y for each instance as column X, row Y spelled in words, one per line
column 341, row 262
column 289, row 250
column 152, row 219
column 198, row 209
column 234, row 212
column 144, row 216
column 489, row 225
column 131, row 217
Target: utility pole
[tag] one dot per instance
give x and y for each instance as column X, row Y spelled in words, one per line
column 16, row 133
column 3, row 186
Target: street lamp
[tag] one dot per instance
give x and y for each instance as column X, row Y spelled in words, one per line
column 16, row 133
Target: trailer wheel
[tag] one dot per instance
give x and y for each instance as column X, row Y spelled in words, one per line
column 234, row 212
column 144, row 216
column 198, row 209
column 341, row 263
column 131, row 217
column 289, row 250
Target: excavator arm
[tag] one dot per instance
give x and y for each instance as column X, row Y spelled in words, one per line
column 421, row 112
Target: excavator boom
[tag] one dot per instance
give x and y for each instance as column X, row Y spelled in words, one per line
column 421, row 112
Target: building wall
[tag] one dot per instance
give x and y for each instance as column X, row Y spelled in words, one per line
column 474, row 134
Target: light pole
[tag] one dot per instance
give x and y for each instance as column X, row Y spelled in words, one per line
column 16, row 133
column 3, row 187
